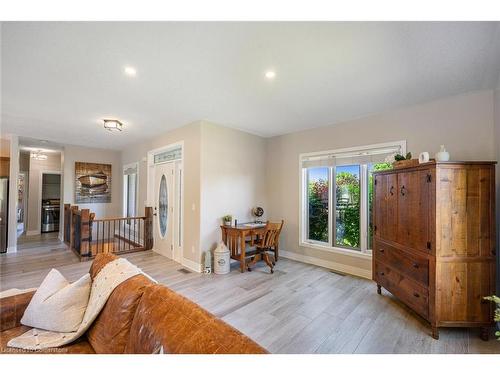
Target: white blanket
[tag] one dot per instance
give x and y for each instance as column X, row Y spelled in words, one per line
column 111, row 275
column 14, row 292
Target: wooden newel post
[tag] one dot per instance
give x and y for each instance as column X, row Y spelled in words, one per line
column 67, row 223
column 85, row 250
column 148, row 228
column 72, row 219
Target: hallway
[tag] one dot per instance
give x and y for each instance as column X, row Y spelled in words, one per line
column 38, row 242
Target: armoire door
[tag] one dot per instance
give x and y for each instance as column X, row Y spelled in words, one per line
column 386, row 206
column 413, row 212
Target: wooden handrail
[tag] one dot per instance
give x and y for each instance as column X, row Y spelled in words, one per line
column 121, row 218
column 88, row 236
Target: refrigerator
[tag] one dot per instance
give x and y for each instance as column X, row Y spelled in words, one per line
column 4, row 207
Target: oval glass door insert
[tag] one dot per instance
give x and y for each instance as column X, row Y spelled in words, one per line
column 163, row 206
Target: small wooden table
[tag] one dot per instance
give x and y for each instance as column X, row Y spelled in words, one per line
column 235, row 238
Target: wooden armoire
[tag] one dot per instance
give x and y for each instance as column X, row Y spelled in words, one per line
column 434, row 241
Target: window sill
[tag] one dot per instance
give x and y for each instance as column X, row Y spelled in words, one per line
column 337, row 250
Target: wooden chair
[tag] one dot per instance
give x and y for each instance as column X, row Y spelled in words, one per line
column 268, row 242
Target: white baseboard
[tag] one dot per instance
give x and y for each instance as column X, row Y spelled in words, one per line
column 343, row 268
column 12, row 249
column 32, row 232
column 193, row 266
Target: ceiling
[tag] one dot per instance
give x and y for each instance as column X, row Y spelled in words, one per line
column 60, row 79
column 29, row 144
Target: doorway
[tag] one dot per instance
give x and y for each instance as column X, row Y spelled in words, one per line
column 165, row 195
column 51, row 202
column 22, row 202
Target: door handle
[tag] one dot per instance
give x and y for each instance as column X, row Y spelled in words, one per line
column 391, row 190
column 403, row 190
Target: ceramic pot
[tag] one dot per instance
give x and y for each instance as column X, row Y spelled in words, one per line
column 423, row 157
column 442, row 155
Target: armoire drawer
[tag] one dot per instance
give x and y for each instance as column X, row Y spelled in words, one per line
column 415, row 267
column 407, row 290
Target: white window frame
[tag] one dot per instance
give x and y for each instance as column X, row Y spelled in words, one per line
column 125, row 195
column 303, row 206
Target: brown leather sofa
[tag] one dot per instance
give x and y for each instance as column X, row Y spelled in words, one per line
column 139, row 317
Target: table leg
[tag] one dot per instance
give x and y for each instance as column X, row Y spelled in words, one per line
column 242, row 252
column 224, row 236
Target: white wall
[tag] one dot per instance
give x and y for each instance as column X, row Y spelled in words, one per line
column 36, row 168
column 73, row 154
column 224, row 172
column 229, row 172
column 191, row 135
column 233, row 178
column 463, row 123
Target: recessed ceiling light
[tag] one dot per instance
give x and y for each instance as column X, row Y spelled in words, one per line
column 270, row 74
column 130, row 71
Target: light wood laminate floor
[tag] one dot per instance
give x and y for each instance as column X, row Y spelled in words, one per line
column 300, row 308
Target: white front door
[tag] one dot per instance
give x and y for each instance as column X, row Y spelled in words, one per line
column 164, row 209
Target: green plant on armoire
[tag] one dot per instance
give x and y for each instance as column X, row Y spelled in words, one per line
column 496, row 300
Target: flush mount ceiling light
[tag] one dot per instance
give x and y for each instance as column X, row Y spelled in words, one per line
column 112, row 125
column 37, row 155
column 270, row 74
column 130, row 71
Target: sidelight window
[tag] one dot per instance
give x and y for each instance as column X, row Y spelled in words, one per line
column 130, row 185
column 337, row 195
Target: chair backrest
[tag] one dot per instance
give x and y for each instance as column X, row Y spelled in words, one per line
column 231, row 237
column 272, row 234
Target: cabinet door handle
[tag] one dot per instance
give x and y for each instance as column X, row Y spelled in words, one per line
column 415, row 265
column 391, row 190
column 416, row 294
column 382, row 251
column 403, row 190
column 382, row 274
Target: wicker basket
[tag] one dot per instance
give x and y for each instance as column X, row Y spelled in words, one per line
column 405, row 163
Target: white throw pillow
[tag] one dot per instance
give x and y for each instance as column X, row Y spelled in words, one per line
column 58, row 305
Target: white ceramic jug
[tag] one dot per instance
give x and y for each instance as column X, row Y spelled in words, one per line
column 442, row 155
